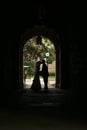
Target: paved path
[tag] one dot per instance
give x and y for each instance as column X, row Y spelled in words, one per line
column 51, row 84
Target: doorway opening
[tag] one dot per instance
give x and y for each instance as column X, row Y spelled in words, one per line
column 39, row 48
column 39, row 43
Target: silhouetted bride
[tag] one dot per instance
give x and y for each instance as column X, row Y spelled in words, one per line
column 36, row 85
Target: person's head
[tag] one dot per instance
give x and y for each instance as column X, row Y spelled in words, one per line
column 43, row 61
column 38, row 62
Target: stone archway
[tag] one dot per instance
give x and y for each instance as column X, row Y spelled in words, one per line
column 50, row 33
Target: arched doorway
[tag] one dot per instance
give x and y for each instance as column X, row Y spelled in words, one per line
column 46, row 34
column 35, row 49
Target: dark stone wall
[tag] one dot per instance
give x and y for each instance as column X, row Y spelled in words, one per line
column 66, row 23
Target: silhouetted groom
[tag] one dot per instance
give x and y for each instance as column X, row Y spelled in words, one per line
column 45, row 74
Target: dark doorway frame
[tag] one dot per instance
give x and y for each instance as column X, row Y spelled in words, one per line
column 51, row 34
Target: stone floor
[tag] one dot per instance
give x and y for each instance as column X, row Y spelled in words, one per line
column 52, row 110
column 52, row 97
column 43, row 120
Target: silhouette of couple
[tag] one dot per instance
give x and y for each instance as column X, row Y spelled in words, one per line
column 36, row 85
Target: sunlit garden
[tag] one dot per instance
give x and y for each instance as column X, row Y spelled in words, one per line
column 35, row 49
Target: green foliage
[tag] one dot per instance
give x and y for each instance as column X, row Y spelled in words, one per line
column 51, row 74
column 32, row 52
